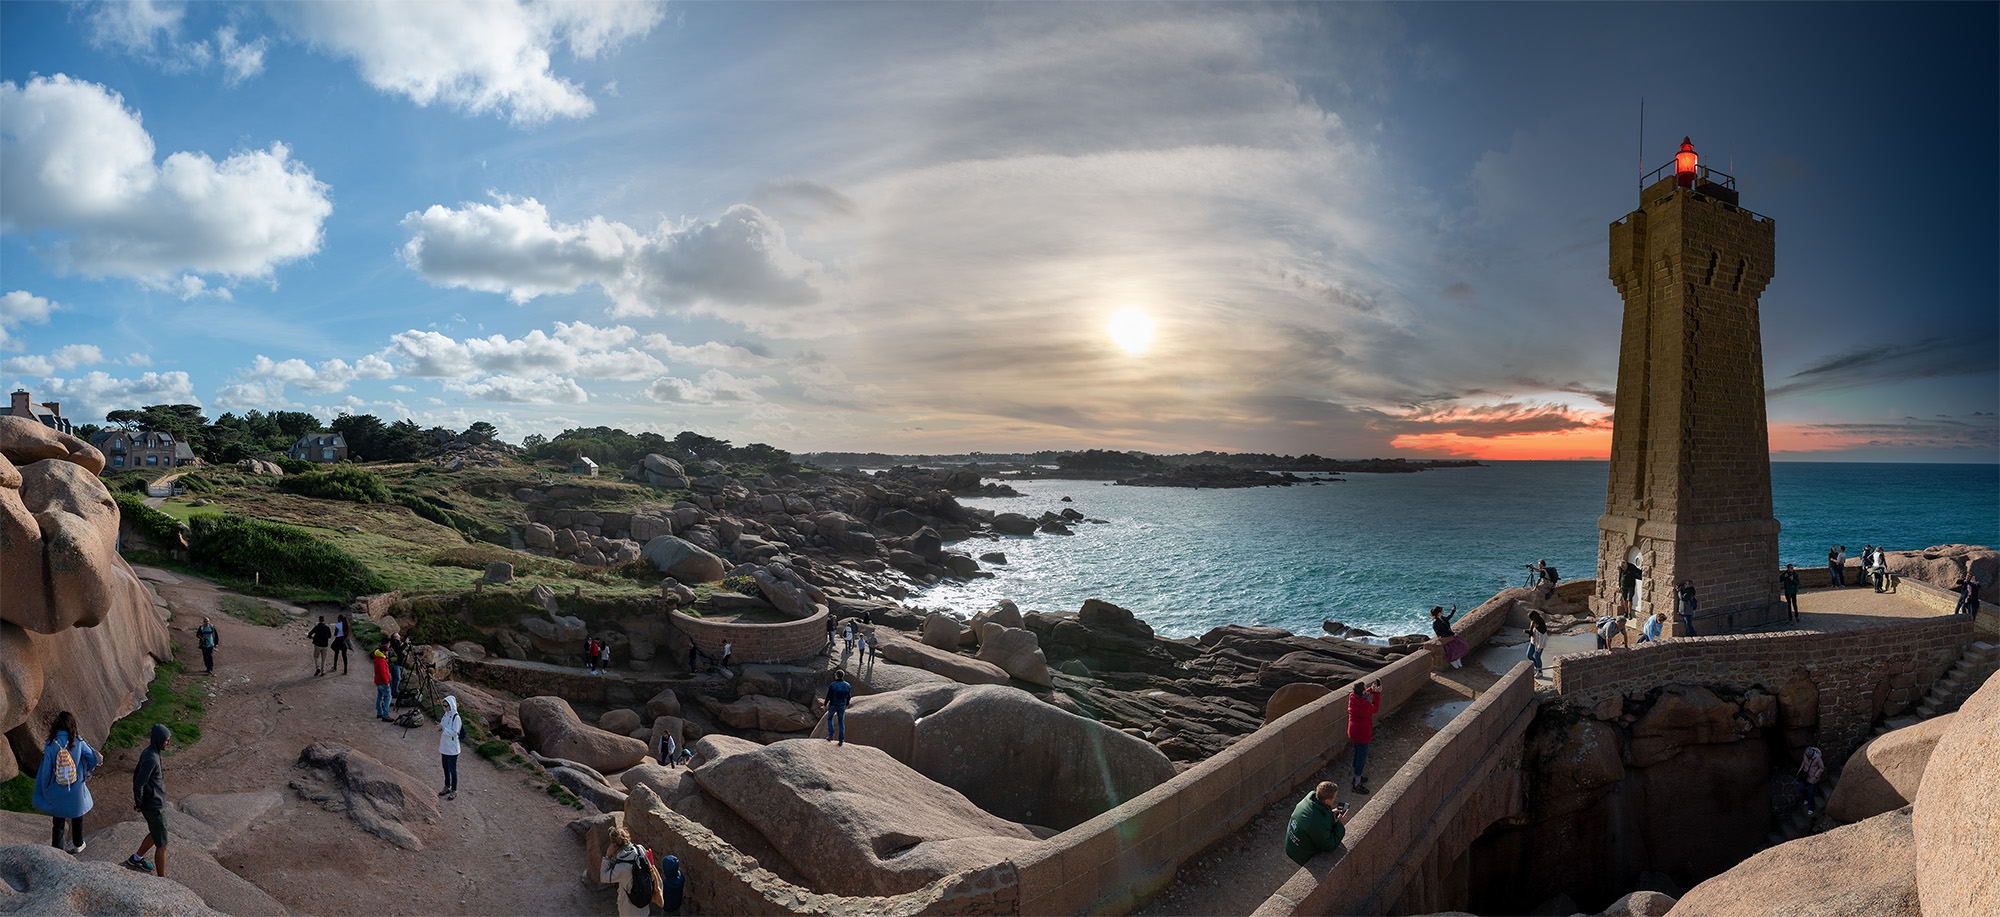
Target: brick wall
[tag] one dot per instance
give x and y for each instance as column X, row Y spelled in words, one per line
column 781, row 642
column 1860, row 674
column 1415, row 828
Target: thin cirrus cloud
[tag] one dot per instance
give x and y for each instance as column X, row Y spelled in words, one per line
column 82, row 180
column 739, row 260
column 1878, row 363
column 151, row 32
column 477, row 57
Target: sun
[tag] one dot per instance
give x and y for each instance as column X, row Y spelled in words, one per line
column 1132, row 330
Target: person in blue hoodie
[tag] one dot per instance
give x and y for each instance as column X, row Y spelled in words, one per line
column 149, row 797
column 60, row 788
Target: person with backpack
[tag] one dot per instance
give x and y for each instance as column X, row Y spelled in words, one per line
column 637, row 877
column 206, row 638
column 60, row 790
column 320, row 636
column 451, row 731
column 149, row 798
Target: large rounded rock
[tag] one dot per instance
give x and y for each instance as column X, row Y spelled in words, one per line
column 903, row 651
column 851, row 819
column 661, row 465
column 665, row 703
column 1018, row 652
column 683, row 561
column 943, row 631
column 43, row 880
column 1684, row 715
column 1884, row 774
column 1867, row 868
column 552, row 728
column 537, row 535
column 1958, row 837
column 1944, row 565
column 1013, row 524
column 620, row 721
column 757, row 711
column 59, row 533
column 382, row 800
column 1016, row 756
column 1291, row 697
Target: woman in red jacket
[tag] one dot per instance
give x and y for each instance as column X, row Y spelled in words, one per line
column 1361, row 710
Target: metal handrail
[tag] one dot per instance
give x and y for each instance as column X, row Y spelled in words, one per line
column 1703, row 173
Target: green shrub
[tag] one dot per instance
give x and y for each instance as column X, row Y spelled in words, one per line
column 163, row 529
column 294, row 466
column 282, row 554
column 253, row 612
column 494, row 749
column 347, row 482
column 17, row 795
column 195, row 484
column 179, row 708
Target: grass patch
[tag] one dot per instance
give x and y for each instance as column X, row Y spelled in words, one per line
column 477, row 556
column 179, row 707
column 494, row 750
column 253, row 611
column 181, row 511
column 18, row 794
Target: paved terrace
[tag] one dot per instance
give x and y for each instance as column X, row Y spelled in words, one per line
column 1238, row 873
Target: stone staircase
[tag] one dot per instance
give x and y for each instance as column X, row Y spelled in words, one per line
column 1973, row 667
column 1796, row 823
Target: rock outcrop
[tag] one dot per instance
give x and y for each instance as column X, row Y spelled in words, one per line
column 78, row 630
column 851, row 819
column 1944, row 565
column 40, row 879
column 903, row 651
column 382, row 800
column 1958, row 837
column 1034, row 763
column 683, row 560
column 551, row 727
column 1884, row 774
column 1016, row 651
column 1867, row 869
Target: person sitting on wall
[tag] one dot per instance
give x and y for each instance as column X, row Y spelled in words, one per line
column 1318, row 824
column 1453, row 644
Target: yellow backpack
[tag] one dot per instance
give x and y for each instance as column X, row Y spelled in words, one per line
column 65, row 766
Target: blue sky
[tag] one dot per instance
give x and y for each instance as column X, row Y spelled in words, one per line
column 1347, row 229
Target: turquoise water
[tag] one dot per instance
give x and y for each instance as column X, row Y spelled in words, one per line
column 1378, row 550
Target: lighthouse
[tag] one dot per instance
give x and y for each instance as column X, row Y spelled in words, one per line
column 1689, row 499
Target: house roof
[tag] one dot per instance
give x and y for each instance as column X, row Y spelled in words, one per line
column 323, row 440
column 584, row 460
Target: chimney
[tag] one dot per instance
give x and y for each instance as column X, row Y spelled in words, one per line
column 20, row 408
column 55, row 407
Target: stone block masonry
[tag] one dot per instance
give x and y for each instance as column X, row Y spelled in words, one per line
column 781, row 642
column 1690, row 483
column 1857, row 675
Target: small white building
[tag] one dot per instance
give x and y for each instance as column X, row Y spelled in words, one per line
column 584, row 466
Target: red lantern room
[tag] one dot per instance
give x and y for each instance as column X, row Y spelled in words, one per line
column 1684, row 163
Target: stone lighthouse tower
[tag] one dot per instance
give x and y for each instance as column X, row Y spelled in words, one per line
column 1690, row 493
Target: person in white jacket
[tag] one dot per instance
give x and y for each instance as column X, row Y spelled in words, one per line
column 451, row 731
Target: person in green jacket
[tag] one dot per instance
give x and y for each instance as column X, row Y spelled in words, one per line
column 1318, row 824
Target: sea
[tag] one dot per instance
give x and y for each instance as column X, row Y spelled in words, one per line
column 1376, row 551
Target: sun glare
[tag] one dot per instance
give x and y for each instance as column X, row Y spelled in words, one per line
column 1132, row 330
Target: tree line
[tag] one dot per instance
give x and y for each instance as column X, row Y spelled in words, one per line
column 233, row 437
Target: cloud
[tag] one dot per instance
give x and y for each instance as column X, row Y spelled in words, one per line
column 1878, row 363
column 713, row 386
column 708, row 353
column 546, row 389
column 97, row 393
column 64, row 358
column 1487, row 421
column 81, row 176
column 741, row 259
column 474, row 57
column 576, row 349
column 1976, row 435
column 240, row 60
column 22, row 307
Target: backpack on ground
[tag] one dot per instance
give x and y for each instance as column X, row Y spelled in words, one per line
column 410, row 719
column 65, row 766
column 643, row 886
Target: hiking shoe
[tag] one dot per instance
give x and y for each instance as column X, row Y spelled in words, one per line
column 78, row 849
column 451, row 795
column 442, row 792
column 139, row 863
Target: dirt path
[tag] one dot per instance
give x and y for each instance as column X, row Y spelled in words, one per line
column 1235, row 874
column 502, row 847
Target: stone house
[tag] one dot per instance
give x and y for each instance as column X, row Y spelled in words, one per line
column 583, row 465
column 319, row 447
column 48, row 414
column 125, row 450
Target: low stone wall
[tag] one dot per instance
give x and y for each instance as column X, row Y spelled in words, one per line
column 1411, row 835
column 1112, row 863
column 722, row 880
column 1480, row 624
column 781, row 642
column 1859, row 674
column 374, row 607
